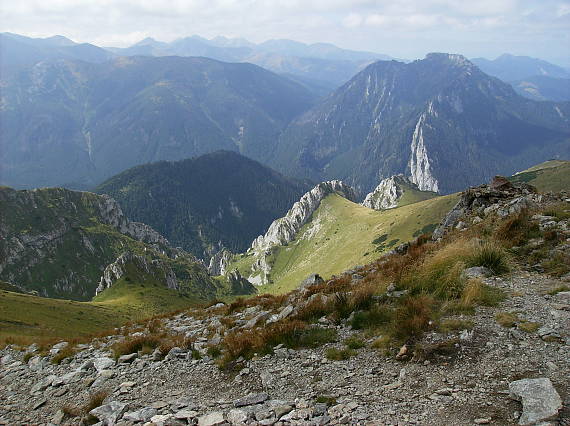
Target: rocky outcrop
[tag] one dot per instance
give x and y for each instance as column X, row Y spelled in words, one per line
column 387, row 194
column 500, row 197
column 219, row 262
column 112, row 214
column 155, row 268
column 284, row 230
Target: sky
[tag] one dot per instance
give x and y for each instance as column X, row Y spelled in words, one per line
column 400, row 28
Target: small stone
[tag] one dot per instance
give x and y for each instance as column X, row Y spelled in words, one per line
column 58, row 417
column 109, row 413
column 186, row 414
column 483, row 421
column 237, row 416
column 127, row 358
column 142, row 415
column 39, row 404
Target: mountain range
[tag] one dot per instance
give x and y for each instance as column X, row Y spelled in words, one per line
column 75, row 124
column 441, row 121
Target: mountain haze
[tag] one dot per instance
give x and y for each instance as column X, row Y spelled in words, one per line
column 74, row 123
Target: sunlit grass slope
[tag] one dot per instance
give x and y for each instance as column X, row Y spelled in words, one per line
column 343, row 234
column 549, row 176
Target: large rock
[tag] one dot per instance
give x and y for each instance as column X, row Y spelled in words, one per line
column 251, row 399
column 103, row 363
column 539, row 399
column 109, row 413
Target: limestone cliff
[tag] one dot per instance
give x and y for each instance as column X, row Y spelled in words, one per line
column 284, row 230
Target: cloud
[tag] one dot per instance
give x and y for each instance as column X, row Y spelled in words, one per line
column 402, row 28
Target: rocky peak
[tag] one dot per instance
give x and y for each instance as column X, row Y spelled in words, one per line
column 284, row 230
column 387, row 194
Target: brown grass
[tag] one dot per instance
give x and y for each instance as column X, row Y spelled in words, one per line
column 95, row 400
column 66, row 352
column 412, row 317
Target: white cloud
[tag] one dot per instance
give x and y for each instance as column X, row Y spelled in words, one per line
column 402, row 28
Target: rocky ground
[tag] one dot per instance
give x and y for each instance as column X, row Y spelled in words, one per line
column 469, row 387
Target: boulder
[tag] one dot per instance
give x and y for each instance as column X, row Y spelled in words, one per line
column 539, row 399
column 109, row 413
column 251, row 399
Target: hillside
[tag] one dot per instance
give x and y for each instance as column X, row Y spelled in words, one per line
column 64, row 244
column 340, row 235
column 206, row 203
column 440, row 121
column 86, row 122
column 549, row 176
column 470, row 329
column 544, row 88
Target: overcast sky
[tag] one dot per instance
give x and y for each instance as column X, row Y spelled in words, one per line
column 400, row 28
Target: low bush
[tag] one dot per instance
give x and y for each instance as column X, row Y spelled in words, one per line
column 412, row 317
column 490, row 256
column 131, row 345
column 66, row 352
column 335, row 354
column 354, row 342
column 507, row 319
column 375, row 317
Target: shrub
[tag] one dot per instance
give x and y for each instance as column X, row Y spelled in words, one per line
column 214, row 351
column 354, row 342
column 517, row 229
column 313, row 310
column 412, row 317
column 451, row 325
column 558, row 289
column 377, row 316
column 335, row 354
column 95, row 400
column 490, row 256
column 66, row 352
column 135, row 344
column 291, row 333
column 529, row 326
column 507, row 319
column 431, row 351
column 323, row 399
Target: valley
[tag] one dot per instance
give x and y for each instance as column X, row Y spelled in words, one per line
column 223, row 232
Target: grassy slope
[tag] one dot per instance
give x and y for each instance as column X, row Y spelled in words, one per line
column 28, row 316
column 348, row 235
column 549, row 176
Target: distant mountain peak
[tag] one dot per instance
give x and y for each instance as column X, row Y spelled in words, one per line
column 453, row 58
column 60, row 40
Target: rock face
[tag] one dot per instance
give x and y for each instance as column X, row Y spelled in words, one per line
column 156, row 268
column 284, row 230
column 539, row 399
column 219, row 262
column 387, row 194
